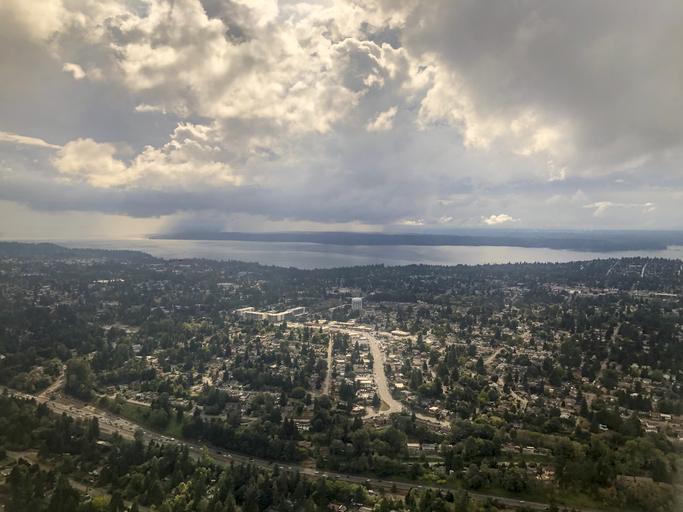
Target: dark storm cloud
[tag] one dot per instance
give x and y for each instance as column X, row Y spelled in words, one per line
column 612, row 68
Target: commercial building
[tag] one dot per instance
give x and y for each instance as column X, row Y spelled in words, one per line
column 251, row 313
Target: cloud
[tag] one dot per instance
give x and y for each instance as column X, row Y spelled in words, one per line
column 93, row 162
column 494, row 220
column 383, row 122
column 186, row 161
column 548, row 60
column 149, row 108
column 577, row 197
column 288, row 76
column 37, row 19
column 602, row 206
column 74, row 69
column 374, row 112
column 29, row 141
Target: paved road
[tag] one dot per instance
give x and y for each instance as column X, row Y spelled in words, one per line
column 490, row 359
column 328, row 377
column 54, row 386
column 381, row 378
column 523, row 402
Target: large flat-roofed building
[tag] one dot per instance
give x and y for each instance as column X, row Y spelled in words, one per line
column 252, row 314
column 276, row 317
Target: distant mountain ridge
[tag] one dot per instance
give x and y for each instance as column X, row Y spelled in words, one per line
column 585, row 241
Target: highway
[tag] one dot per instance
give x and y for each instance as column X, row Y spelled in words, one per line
column 111, row 423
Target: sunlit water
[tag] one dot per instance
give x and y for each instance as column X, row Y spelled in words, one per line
column 309, row 256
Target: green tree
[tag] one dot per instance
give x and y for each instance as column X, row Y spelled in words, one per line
column 65, row 498
column 116, row 504
column 80, row 380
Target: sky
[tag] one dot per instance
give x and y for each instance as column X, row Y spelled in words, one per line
column 123, row 118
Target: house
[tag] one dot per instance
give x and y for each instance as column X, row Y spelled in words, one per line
column 549, row 473
column 303, row 424
column 430, row 447
column 413, row 447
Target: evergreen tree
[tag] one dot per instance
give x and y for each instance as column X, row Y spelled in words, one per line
column 65, row 498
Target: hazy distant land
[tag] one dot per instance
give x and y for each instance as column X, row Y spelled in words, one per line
column 603, row 241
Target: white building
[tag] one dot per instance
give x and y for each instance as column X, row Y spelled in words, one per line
column 356, row 304
column 251, row 313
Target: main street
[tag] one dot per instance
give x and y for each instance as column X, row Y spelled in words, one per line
column 328, row 375
column 381, row 378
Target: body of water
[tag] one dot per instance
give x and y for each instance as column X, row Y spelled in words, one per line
column 309, row 256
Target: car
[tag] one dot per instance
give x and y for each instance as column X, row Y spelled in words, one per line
column 251, row 460
column 324, row 475
column 289, row 467
column 218, row 453
column 317, row 473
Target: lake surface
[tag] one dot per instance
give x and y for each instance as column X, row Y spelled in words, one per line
column 309, row 256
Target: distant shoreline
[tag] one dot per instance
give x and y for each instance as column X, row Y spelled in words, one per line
column 583, row 242
column 309, row 256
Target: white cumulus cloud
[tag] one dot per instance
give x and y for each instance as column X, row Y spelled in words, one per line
column 498, row 219
column 186, row 162
column 383, row 122
column 74, row 69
